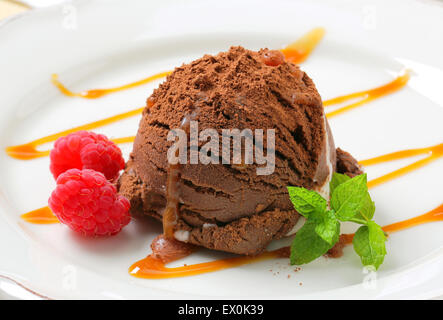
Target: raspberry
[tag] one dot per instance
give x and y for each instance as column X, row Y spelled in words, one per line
column 89, row 204
column 86, row 150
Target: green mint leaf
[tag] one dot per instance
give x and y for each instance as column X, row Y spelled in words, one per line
column 328, row 228
column 306, row 202
column 369, row 243
column 336, row 180
column 347, row 199
column 368, row 209
column 308, row 245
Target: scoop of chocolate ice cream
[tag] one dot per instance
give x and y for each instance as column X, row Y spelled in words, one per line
column 229, row 207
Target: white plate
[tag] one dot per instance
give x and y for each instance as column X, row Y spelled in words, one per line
column 104, row 43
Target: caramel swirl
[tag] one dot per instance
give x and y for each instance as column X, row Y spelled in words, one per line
column 367, row 95
column 98, row 93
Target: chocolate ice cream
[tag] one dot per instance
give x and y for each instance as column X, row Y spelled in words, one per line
column 228, row 207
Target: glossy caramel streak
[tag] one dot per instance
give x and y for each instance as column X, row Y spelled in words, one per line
column 28, row 151
column 151, row 268
column 432, row 216
column 40, row 216
column 367, row 96
column 98, row 93
column 296, row 52
column 433, row 153
column 299, row 51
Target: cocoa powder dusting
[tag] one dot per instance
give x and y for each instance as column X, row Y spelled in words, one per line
column 239, row 89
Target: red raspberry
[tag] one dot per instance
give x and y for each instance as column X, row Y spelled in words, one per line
column 86, row 150
column 88, row 203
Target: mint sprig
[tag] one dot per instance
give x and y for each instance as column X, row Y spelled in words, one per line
column 369, row 243
column 328, row 228
column 308, row 203
column 337, row 179
column 347, row 198
column 313, row 207
column 308, row 245
column 349, row 201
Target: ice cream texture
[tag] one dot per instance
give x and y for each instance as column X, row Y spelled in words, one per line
column 223, row 206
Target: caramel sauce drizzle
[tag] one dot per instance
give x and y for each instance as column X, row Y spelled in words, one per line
column 433, row 153
column 151, row 268
column 28, row 151
column 296, row 52
column 98, row 93
column 171, row 213
column 367, row 95
column 300, row 50
column 434, row 215
column 40, row 216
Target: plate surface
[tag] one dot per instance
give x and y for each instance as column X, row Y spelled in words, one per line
column 93, row 44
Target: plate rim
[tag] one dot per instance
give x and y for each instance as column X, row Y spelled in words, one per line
column 19, row 17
